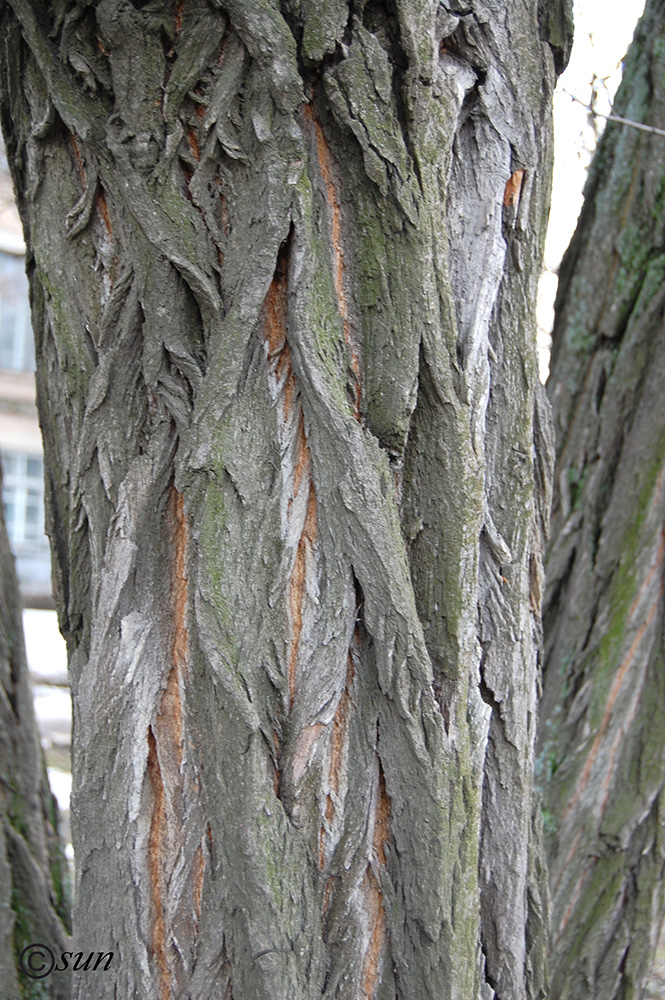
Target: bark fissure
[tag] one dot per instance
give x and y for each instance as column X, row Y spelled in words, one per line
column 327, row 170
column 158, row 833
column 603, row 775
column 291, row 367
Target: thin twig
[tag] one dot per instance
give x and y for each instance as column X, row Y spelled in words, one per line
column 616, row 118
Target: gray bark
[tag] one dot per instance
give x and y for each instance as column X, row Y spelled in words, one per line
column 604, row 700
column 34, row 897
column 283, row 265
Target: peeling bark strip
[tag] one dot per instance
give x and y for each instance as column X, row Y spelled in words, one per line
column 511, row 195
column 326, row 166
column 604, row 695
column 297, row 583
column 375, row 903
column 377, row 925
column 297, row 465
column 165, row 763
column 158, row 876
column 338, row 748
column 273, row 276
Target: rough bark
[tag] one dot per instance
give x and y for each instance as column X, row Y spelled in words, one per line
column 34, row 899
column 283, row 266
column 604, row 702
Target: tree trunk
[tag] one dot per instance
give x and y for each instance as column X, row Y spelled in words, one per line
column 283, row 267
column 33, row 892
column 604, row 701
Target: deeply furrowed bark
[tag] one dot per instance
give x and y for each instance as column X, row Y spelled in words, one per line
column 34, row 898
column 604, row 702
column 283, row 266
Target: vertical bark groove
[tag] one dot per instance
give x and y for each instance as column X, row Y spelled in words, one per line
column 602, row 766
column 326, row 167
column 289, row 352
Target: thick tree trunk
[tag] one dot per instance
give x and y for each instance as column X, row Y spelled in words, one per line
column 283, row 269
column 34, row 902
column 604, row 703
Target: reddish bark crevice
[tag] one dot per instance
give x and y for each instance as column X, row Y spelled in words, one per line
column 511, row 194
column 78, row 159
column 103, row 209
column 225, row 217
column 381, row 820
column 275, row 309
column 193, row 140
column 156, row 846
column 168, row 724
column 275, row 321
column 376, row 950
column 229, row 30
column 333, row 201
column 322, row 848
column 377, row 919
column 338, row 738
column 180, row 6
column 165, row 758
column 297, row 582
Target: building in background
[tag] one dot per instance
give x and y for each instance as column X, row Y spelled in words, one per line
column 23, row 498
column 20, row 438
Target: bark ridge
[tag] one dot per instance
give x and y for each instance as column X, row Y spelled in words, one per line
column 297, row 496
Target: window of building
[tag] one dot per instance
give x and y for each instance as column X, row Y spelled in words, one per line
column 23, row 496
column 17, row 351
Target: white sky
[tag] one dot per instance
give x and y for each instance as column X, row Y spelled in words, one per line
column 603, row 32
column 44, row 646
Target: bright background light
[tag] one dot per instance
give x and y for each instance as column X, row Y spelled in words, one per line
column 603, row 32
